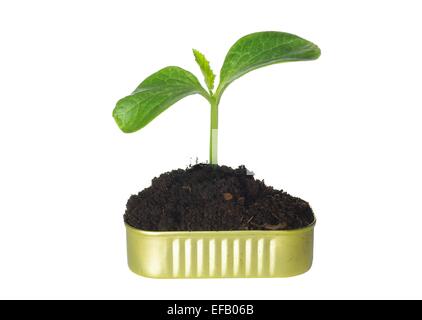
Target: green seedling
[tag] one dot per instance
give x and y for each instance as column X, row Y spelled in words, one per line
column 167, row 86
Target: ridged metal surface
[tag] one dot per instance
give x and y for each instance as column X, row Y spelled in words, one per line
column 220, row 254
column 222, row 257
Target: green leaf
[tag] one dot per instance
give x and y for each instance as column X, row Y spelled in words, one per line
column 154, row 95
column 206, row 70
column 260, row 49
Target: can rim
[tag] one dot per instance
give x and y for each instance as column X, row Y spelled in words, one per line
column 219, row 233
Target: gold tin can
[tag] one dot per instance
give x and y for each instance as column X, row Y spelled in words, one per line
column 220, row 254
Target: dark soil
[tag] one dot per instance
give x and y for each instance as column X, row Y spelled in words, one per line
column 217, row 198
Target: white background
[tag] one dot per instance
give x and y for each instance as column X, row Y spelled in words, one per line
column 343, row 132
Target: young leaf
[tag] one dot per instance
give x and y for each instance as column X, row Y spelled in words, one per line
column 154, row 95
column 206, row 70
column 260, row 49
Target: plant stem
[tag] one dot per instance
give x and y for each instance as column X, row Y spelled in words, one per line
column 214, row 131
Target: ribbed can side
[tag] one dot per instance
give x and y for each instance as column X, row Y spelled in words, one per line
column 220, row 254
